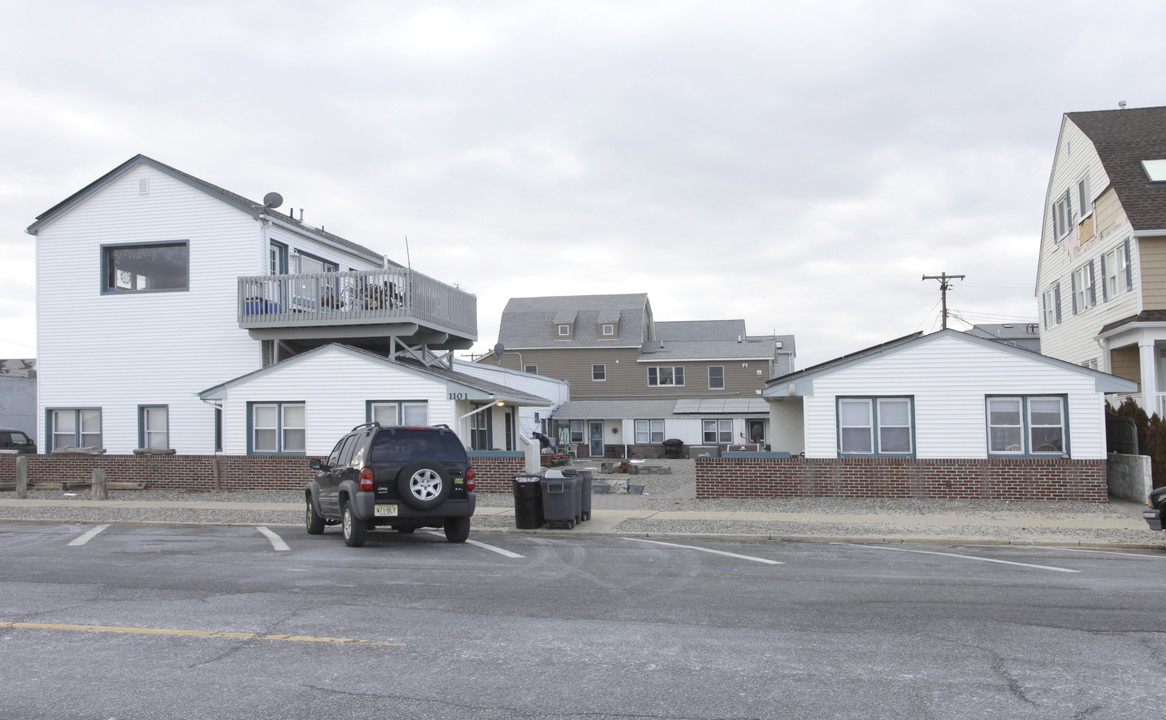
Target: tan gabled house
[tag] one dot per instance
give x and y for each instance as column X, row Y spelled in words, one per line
column 1101, row 273
column 636, row 382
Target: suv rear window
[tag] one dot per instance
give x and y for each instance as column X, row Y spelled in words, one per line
column 409, row 445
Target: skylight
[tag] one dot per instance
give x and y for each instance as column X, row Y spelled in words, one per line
column 1155, row 170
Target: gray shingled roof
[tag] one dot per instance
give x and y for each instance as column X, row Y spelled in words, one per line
column 721, row 350
column 250, row 206
column 698, row 330
column 530, row 322
column 1123, row 139
column 660, row 409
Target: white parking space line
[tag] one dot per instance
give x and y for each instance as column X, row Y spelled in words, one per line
column 971, row 557
column 1145, row 556
column 484, row 546
column 88, row 536
column 276, row 541
column 767, row 561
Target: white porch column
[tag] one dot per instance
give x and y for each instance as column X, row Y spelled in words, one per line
column 1149, row 375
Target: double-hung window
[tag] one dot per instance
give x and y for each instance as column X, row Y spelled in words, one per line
column 1084, row 198
column 666, row 376
column 1051, row 301
column 278, row 428
column 1084, row 288
column 1062, row 216
column 649, row 431
column 716, row 377
column 1116, row 273
column 389, row 412
column 1027, row 425
column 718, row 432
column 74, row 428
column 876, row 426
column 598, row 373
column 154, row 427
column 576, row 431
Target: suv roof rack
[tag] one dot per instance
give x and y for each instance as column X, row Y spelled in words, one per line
column 374, row 423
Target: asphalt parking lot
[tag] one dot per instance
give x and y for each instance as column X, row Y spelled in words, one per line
column 180, row 621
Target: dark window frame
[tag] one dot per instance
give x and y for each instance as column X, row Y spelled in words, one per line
column 109, row 286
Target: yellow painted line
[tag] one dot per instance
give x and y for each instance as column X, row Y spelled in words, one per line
column 191, row 633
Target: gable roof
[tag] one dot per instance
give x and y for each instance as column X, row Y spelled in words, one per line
column 1123, row 139
column 529, row 322
column 237, row 201
column 803, row 380
column 480, row 389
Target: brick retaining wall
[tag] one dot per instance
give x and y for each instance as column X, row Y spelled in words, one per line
column 492, row 472
column 989, row 479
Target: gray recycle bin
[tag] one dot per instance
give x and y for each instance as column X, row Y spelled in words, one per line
column 585, row 478
column 528, row 507
column 560, row 501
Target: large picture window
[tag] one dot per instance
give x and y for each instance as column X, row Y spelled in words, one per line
column 875, row 426
column 74, row 428
column 152, row 267
column 278, row 429
column 1026, row 425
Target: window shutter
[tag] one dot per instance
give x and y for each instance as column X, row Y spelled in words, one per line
column 1104, row 282
column 1073, row 294
column 1057, row 298
column 1129, row 267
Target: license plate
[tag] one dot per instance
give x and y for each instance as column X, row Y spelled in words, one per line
column 385, row 510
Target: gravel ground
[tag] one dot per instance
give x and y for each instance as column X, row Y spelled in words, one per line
column 993, row 520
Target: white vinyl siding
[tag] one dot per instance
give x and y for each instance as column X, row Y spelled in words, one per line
column 334, row 388
column 165, row 347
column 1072, row 339
column 948, row 380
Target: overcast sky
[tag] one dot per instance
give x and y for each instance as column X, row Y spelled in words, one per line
column 800, row 165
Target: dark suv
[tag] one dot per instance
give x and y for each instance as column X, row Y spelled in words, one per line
column 398, row 477
column 15, row 441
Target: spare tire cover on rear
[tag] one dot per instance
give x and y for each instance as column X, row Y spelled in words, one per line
column 423, row 484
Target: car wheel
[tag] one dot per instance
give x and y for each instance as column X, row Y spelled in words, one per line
column 313, row 523
column 355, row 530
column 457, row 529
column 423, row 484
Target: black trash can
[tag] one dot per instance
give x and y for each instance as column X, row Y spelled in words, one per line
column 559, row 501
column 673, row 448
column 528, row 506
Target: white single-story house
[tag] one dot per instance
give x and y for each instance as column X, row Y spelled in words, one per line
column 304, row 404
column 944, row 395
column 530, row 418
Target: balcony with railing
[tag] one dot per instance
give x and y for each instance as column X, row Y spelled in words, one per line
column 339, row 306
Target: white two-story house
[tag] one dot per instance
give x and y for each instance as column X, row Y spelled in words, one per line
column 1101, row 273
column 156, row 290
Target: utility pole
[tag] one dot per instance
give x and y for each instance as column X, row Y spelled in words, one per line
column 943, row 286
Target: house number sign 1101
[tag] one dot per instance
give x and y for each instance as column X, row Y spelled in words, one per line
column 459, row 396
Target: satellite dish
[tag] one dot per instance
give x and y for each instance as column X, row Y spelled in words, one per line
column 272, row 200
column 499, row 349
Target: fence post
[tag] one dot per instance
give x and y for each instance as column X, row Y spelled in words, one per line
column 21, row 476
column 99, row 486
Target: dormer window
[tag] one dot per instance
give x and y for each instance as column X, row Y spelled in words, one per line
column 564, row 330
column 608, row 330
